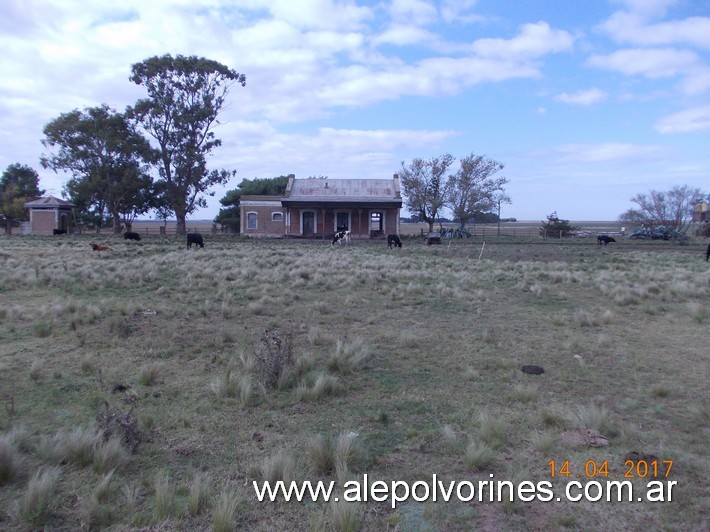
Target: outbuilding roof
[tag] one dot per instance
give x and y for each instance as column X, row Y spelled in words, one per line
column 48, row 202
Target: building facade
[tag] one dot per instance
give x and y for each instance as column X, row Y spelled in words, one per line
column 48, row 214
column 312, row 208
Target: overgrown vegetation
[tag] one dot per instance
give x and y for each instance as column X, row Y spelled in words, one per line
column 126, row 377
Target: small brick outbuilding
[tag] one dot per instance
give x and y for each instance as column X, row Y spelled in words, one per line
column 49, row 213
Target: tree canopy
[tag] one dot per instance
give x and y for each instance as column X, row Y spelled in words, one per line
column 473, row 189
column 469, row 192
column 229, row 216
column 556, row 227
column 185, row 97
column 673, row 208
column 19, row 184
column 107, row 158
column 423, row 186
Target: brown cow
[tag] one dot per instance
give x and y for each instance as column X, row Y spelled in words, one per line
column 99, row 247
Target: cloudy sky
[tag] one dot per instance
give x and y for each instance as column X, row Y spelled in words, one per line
column 586, row 103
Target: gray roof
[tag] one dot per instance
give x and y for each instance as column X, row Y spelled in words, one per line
column 48, row 202
column 346, row 190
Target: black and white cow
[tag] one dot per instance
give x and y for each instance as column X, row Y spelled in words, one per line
column 341, row 237
column 129, row 235
column 604, row 240
column 393, row 240
column 195, row 238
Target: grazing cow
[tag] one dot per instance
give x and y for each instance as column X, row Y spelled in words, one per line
column 59, row 231
column 707, row 254
column 128, row 235
column 341, row 237
column 195, row 238
column 393, row 240
column 99, row 247
column 604, row 240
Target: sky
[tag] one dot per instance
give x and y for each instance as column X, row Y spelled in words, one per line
column 586, row 103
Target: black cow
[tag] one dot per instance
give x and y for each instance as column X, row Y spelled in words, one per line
column 707, row 254
column 604, row 239
column 341, row 237
column 59, row 231
column 393, row 240
column 128, row 235
column 194, row 238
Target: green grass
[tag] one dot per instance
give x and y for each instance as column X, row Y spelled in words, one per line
column 260, row 359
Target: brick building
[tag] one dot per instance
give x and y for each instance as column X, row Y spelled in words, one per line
column 49, row 213
column 368, row 208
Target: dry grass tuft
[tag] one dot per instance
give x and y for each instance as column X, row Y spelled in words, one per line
column 37, row 501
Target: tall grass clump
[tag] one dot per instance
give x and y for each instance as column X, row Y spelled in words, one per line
column 346, row 516
column 164, row 500
column 79, row 446
column 226, row 512
column 321, row 453
column 349, row 454
column 595, row 417
column 491, row 430
column 148, row 375
column 9, row 461
column 479, row 455
column 349, row 356
column 109, row 455
column 37, row 501
column 199, row 495
column 323, row 385
column 281, row 466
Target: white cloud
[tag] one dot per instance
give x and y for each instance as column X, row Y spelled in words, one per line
column 687, row 121
column 414, row 12
column 647, row 7
column 607, row 152
column 534, row 40
column 650, row 62
column 635, row 29
column 583, row 97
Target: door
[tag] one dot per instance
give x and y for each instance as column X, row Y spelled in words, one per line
column 309, row 223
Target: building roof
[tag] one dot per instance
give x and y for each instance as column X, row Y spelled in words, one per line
column 48, row 202
column 341, row 191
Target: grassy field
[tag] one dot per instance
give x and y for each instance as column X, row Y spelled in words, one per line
column 146, row 387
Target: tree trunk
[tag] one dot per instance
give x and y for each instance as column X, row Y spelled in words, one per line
column 8, row 227
column 116, row 217
column 181, row 230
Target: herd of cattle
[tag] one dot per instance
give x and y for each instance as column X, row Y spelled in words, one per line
column 340, row 237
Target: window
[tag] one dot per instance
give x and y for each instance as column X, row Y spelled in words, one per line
column 376, row 221
column 251, row 220
column 277, row 217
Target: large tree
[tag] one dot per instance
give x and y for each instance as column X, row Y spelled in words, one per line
column 673, row 208
column 107, row 158
column 229, row 215
column 185, row 97
column 474, row 189
column 18, row 185
column 423, row 186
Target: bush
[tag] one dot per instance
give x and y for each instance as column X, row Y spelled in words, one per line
column 555, row 227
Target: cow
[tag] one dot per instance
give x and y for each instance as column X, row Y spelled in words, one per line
column 129, row 235
column 604, row 240
column 99, row 247
column 707, row 254
column 195, row 238
column 341, row 237
column 59, row 232
column 394, row 240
